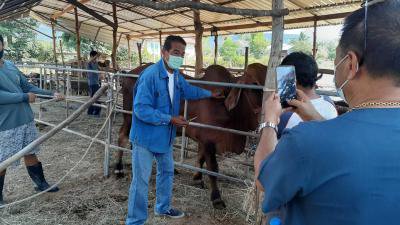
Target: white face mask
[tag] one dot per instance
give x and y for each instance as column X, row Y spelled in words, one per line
column 339, row 90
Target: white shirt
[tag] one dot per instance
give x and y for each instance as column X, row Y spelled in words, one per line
column 325, row 108
column 171, row 85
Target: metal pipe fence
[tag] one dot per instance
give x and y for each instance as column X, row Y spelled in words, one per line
column 51, row 133
column 110, row 107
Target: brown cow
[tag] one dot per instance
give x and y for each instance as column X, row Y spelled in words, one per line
column 243, row 113
column 239, row 111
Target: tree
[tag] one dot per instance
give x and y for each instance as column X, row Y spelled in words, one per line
column 258, row 45
column 41, row 51
column 228, row 52
column 331, row 48
column 69, row 41
column 302, row 44
column 18, row 37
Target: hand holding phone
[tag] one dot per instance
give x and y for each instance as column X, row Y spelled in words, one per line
column 286, row 79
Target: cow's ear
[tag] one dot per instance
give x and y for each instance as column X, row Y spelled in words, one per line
column 233, row 98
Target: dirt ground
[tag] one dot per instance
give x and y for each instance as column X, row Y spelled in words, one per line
column 86, row 197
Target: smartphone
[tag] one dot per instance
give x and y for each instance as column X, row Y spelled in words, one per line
column 286, row 79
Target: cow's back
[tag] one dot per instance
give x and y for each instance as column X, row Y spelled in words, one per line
column 213, row 112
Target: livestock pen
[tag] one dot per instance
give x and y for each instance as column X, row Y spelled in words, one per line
column 97, row 16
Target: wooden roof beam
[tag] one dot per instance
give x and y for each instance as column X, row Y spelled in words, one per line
column 93, row 13
column 203, row 6
column 67, row 9
column 146, row 17
column 253, row 25
column 87, row 18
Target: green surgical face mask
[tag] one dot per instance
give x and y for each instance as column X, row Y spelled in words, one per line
column 175, row 62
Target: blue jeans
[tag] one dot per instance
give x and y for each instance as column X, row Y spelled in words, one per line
column 93, row 110
column 142, row 160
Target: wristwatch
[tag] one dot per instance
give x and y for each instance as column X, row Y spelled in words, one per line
column 267, row 124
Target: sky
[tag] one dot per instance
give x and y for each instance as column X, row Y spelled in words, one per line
column 326, row 33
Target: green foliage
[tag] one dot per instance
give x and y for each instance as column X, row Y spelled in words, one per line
column 41, row 51
column 258, row 45
column 18, row 37
column 122, row 58
column 302, row 44
column 69, row 41
column 229, row 53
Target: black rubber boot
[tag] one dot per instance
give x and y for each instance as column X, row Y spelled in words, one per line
column 37, row 176
column 1, row 189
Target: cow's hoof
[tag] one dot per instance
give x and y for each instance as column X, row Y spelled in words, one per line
column 199, row 184
column 119, row 174
column 218, row 204
column 119, row 170
column 176, row 172
column 198, row 176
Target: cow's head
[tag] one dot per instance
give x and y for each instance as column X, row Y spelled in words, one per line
column 248, row 101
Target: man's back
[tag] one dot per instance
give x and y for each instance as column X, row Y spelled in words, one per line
column 342, row 171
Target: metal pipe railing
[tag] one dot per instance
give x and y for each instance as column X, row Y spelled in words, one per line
column 83, row 136
column 206, row 126
column 223, row 84
column 183, row 138
column 52, row 132
column 108, row 144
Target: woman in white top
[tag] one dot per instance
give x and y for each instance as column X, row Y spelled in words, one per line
column 306, row 76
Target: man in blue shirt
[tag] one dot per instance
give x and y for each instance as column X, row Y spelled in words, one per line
column 156, row 105
column 93, row 81
column 345, row 170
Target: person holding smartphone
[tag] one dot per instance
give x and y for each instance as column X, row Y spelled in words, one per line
column 345, row 170
column 306, row 70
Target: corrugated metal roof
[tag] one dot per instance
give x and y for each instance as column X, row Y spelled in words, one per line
column 139, row 22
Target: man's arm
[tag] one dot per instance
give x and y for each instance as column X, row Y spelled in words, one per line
column 304, row 108
column 268, row 138
column 143, row 103
column 12, row 98
column 190, row 92
column 285, row 172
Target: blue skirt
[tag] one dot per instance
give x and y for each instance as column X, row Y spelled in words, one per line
column 14, row 140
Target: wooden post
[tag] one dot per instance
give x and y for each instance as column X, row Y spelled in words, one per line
column 216, row 49
column 198, row 42
column 246, row 57
column 63, row 64
column 315, row 40
column 270, row 80
column 78, row 37
column 115, row 28
column 78, row 48
column 129, row 52
column 161, row 46
column 53, row 31
column 139, row 47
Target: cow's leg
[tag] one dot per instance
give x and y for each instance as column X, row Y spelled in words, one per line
column 198, row 177
column 123, row 141
column 212, row 165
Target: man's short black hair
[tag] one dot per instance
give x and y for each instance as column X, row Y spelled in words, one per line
column 305, row 66
column 93, row 53
column 377, row 46
column 172, row 38
column 1, row 39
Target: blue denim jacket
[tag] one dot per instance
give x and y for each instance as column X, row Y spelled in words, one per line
column 153, row 110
